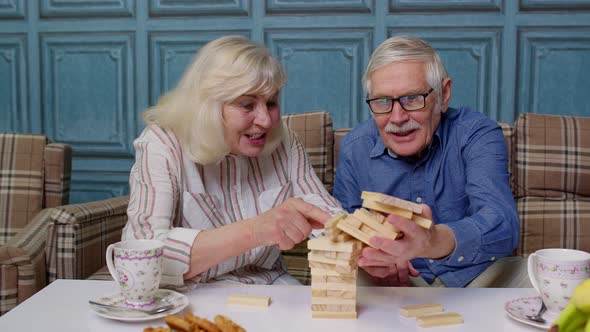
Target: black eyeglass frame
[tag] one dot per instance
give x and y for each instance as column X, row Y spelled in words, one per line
column 393, row 100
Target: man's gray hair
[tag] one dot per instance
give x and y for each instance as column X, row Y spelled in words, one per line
column 407, row 48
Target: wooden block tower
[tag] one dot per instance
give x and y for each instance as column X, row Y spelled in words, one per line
column 333, row 273
column 333, row 257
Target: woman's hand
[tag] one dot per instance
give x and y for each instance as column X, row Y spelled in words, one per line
column 287, row 224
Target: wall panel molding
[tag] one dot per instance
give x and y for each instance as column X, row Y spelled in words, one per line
column 444, row 6
column 81, row 8
column 553, row 71
column 323, row 7
column 552, row 5
column 316, row 58
column 88, row 96
column 199, row 8
column 14, row 113
column 12, row 9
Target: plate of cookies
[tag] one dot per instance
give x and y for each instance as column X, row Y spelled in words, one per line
column 113, row 306
column 193, row 323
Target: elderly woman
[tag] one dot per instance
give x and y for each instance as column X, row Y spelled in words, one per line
column 217, row 174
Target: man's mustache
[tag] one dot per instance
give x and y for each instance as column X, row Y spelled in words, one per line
column 406, row 127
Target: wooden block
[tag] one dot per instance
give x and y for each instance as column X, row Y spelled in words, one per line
column 334, row 307
column 324, row 243
column 319, row 279
column 336, row 315
column 348, row 225
column 332, row 273
column 312, row 256
column 440, row 319
column 319, row 293
column 421, row 221
column 341, row 279
column 337, row 255
column 337, row 268
column 392, row 201
column 335, row 286
column 385, row 228
column 370, row 231
column 374, row 205
column 331, row 300
column 415, row 310
column 332, row 232
column 342, row 294
column 249, row 300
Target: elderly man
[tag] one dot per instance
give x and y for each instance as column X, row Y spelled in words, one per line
column 454, row 161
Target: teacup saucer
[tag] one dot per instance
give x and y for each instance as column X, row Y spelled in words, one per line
column 518, row 308
column 162, row 297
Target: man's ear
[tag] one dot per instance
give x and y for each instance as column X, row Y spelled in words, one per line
column 446, row 88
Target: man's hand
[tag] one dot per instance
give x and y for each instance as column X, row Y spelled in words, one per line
column 389, row 275
column 391, row 259
column 287, row 224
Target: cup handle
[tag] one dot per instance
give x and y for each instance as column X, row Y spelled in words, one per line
column 110, row 264
column 531, row 271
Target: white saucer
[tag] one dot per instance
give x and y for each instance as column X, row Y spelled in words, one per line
column 163, row 296
column 517, row 309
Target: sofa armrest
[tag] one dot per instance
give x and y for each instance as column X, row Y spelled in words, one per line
column 79, row 234
column 22, row 263
column 297, row 263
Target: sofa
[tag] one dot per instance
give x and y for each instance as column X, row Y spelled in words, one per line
column 550, row 178
column 34, row 174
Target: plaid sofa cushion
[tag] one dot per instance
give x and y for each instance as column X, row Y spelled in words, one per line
column 79, row 234
column 550, row 223
column 22, row 264
column 552, row 156
column 58, row 170
column 552, row 181
column 21, row 181
column 314, row 130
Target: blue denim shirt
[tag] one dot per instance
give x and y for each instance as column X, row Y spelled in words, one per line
column 463, row 177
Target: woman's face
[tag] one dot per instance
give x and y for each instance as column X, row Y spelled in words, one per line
column 248, row 121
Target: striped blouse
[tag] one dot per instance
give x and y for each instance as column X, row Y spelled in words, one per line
column 173, row 199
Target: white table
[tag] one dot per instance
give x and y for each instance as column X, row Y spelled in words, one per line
column 63, row 306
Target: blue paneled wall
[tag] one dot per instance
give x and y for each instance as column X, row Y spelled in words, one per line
column 82, row 72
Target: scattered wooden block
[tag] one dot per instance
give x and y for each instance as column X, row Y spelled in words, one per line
column 415, row 310
column 336, row 315
column 249, row 300
column 440, row 319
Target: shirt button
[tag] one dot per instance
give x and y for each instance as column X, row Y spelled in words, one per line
column 460, row 259
column 493, row 259
column 419, row 199
column 430, row 261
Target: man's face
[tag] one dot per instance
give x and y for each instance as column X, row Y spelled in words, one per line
column 407, row 133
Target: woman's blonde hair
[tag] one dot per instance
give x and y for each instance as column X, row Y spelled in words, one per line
column 223, row 70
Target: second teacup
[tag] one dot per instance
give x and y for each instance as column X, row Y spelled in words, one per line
column 137, row 266
column 555, row 273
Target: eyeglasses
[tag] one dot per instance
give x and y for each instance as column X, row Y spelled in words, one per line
column 408, row 103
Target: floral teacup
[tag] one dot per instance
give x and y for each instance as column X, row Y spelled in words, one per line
column 137, row 266
column 555, row 273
